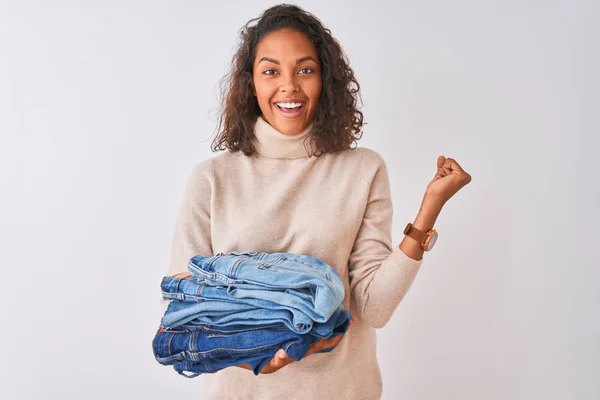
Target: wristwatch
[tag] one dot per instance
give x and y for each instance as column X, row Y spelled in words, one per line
column 426, row 239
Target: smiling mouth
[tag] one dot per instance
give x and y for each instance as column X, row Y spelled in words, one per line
column 290, row 109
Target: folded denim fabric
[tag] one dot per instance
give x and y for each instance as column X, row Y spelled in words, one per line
column 243, row 307
column 207, row 351
column 257, row 363
column 194, row 289
column 216, row 303
column 224, row 314
column 232, row 317
column 298, row 281
column 189, row 290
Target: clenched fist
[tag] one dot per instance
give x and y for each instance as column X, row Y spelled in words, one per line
column 449, row 179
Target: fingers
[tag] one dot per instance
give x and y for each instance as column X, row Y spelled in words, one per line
column 440, row 161
column 452, row 165
column 336, row 340
column 280, row 360
column 457, row 170
column 442, row 167
column 328, row 343
column 448, row 166
column 277, row 362
column 282, row 356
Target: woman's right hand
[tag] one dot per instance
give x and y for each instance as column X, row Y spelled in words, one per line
column 281, row 359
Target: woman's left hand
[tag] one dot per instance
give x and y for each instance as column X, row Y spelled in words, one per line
column 449, row 179
column 281, row 359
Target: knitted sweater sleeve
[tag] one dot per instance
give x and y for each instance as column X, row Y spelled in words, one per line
column 380, row 275
column 192, row 228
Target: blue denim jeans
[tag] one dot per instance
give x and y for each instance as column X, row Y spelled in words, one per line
column 206, row 351
column 243, row 307
column 295, row 281
column 212, row 305
column 227, row 317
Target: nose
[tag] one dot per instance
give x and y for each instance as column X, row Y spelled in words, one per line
column 288, row 84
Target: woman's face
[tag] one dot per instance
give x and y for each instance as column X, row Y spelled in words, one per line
column 287, row 80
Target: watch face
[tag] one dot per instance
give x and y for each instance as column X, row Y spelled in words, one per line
column 432, row 241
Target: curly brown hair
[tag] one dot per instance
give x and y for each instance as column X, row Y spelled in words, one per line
column 337, row 122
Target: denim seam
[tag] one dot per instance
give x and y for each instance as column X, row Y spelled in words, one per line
column 212, row 260
column 170, row 295
column 169, row 344
column 200, row 271
column 262, row 284
column 266, row 265
column 208, row 368
column 218, row 335
column 208, row 329
column 191, row 342
column 182, row 372
column 229, row 350
column 236, row 266
column 287, row 347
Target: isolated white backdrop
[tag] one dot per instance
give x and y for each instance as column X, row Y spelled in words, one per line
column 105, row 106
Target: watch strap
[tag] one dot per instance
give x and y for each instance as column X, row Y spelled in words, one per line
column 415, row 233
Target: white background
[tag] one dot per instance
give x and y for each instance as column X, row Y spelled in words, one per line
column 105, row 106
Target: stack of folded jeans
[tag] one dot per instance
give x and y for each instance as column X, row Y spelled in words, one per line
column 241, row 308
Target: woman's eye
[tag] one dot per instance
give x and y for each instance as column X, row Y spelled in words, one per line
column 306, row 70
column 269, row 72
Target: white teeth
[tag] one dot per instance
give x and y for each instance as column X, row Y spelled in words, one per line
column 289, row 105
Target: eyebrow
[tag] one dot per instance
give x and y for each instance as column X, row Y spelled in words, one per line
column 298, row 61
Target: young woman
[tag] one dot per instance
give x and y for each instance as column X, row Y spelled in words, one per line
column 291, row 181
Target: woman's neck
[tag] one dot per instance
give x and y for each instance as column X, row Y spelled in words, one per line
column 271, row 143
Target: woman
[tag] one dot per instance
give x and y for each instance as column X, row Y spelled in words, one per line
column 291, row 182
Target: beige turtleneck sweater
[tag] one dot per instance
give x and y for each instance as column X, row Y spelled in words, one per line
column 337, row 208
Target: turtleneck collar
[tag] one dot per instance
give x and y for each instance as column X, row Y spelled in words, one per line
column 270, row 143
